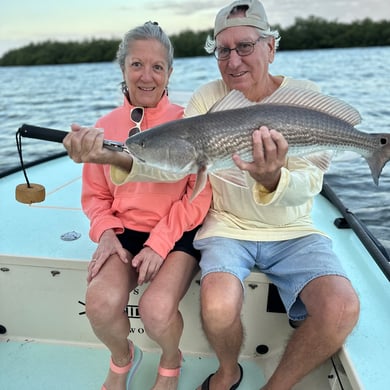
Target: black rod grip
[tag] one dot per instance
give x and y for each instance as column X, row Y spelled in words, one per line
column 52, row 135
column 42, row 133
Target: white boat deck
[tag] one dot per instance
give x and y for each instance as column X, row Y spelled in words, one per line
column 48, row 345
column 41, row 224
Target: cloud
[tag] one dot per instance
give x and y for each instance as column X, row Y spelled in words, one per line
column 285, row 13
column 188, row 7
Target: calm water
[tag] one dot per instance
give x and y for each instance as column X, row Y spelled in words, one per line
column 56, row 96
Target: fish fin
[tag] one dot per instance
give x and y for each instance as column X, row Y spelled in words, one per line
column 375, row 168
column 234, row 99
column 321, row 160
column 315, row 101
column 295, row 97
column 233, row 176
column 200, row 183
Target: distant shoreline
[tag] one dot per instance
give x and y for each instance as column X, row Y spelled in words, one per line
column 305, row 34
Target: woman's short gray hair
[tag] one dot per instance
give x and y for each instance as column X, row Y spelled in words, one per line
column 210, row 44
column 150, row 30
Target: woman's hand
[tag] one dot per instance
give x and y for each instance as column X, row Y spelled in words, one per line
column 148, row 263
column 85, row 145
column 108, row 245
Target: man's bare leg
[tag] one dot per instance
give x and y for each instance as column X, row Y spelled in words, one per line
column 222, row 324
column 333, row 310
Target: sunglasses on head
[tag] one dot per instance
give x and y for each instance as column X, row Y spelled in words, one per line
column 136, row 115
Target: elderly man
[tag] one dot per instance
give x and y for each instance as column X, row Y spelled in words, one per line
column 268, row 224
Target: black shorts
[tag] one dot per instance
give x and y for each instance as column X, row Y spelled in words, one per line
column 134, row 241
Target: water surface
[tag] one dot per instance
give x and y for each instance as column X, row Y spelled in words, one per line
column 56, row 96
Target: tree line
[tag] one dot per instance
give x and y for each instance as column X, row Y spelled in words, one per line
column 305, row 34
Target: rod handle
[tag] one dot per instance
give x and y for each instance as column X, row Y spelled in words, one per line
column 42, row 133
column 46, row 134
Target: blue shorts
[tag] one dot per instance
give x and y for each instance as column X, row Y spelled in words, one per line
column 289, row 264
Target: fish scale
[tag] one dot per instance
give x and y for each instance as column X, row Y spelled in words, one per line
column 309, row 121
column 306, row 131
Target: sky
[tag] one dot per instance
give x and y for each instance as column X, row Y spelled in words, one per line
column 26, row 21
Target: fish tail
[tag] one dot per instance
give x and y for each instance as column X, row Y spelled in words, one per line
column 377, row 160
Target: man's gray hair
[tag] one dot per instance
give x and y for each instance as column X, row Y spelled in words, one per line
column 210, row 44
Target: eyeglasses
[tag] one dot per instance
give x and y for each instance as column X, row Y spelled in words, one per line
column 242, row 49
column 136, row 115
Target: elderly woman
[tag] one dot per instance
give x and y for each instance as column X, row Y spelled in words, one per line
column 144, row 230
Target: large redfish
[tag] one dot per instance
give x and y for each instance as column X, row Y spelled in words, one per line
column 310, row 122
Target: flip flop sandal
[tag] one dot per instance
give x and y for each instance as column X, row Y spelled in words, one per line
column 206, row 383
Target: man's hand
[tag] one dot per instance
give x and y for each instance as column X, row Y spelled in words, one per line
column 269, row 156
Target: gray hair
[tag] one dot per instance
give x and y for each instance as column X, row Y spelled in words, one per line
column 210, row 44
column 150, row 30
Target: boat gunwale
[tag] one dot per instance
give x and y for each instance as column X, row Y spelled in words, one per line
column 373, row 246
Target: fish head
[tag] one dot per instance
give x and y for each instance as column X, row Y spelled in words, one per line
column 164, row 151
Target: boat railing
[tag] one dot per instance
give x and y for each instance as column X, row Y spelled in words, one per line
column 38, row 161
column 350, row 220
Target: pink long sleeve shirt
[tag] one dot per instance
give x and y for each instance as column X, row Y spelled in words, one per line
column 163, row 209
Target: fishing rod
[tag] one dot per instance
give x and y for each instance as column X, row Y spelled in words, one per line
column 33, row 192
column 52, row 135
